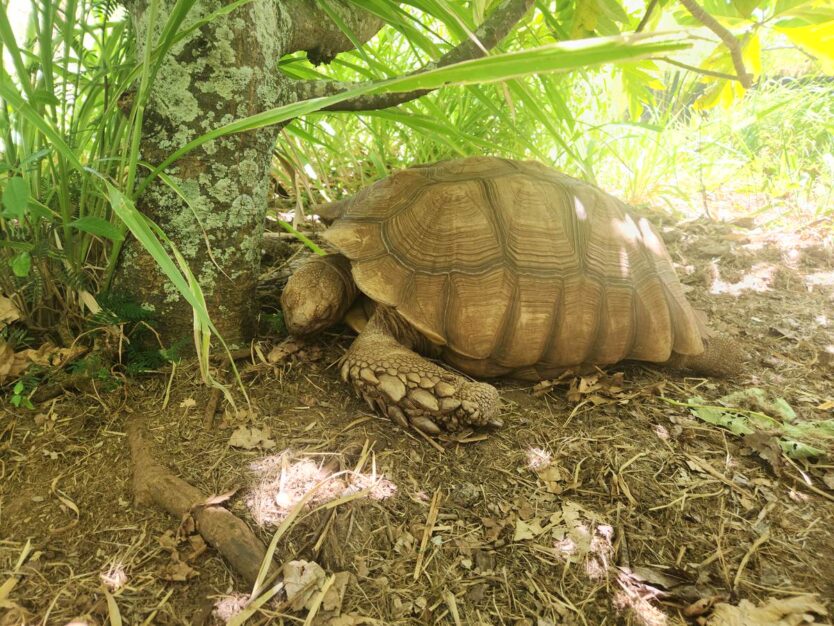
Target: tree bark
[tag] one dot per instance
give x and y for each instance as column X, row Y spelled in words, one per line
column 219, row 74
column 224, row 71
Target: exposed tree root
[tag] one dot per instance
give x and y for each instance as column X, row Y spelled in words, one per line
column 155, row 484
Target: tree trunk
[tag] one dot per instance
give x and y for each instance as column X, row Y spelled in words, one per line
column 225, row 71
column 221, row 73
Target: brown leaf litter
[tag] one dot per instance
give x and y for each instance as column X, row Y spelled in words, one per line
column 614, row 506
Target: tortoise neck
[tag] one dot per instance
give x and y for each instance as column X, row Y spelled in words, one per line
column 341, row 265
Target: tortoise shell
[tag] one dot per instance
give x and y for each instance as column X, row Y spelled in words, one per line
column 511, row 265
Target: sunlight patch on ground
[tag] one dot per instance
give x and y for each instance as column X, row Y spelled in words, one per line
column 115, row 577
column 284, row 480
column 820, row 279
column 759, row 278
column 538, row 459
column 227, row 607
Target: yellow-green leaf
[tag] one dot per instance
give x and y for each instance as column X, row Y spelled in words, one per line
column 816, row 39
column 585, row 16
column 745, row 7
column 751, row 54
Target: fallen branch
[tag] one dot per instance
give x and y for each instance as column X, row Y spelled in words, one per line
column 153, row 484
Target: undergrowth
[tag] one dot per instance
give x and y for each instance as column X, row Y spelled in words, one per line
column 70, row 128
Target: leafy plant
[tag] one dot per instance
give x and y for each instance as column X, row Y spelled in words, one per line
column 750, row 411
column 21, row 394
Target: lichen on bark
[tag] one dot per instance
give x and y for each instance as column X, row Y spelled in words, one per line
column 214, row 210
column 222, row 72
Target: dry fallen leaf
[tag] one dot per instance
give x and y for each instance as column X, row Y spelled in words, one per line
column 50, row 355
column 332, row 601
column 302, row 579
column 249, row 437
column 198, row 546
column 775, row 612
column 12, row 364
column 284, row 349
column 8, row 312
column 527, row 530
column 168, row 541
column 766, row 447
column 178, row 571
column 217, row 499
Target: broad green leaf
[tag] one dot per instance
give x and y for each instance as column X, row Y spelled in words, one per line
column 751, row 54
column 795, row 13
column 585, row 18
column 98, row 226
column 21, row 264
column 613, row 10
column 743, row 421
column 16, row 198
column 725, row 92
column 746, row 7
column 762, row 401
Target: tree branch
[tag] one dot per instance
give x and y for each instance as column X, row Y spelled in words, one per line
column 314, row 32
column 698, row 70
column 745, row 78
column 487, row 36
column 646, row 16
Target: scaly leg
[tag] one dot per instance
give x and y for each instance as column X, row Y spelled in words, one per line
column 409, row 388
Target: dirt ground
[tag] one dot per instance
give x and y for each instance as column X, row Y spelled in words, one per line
column 601, row 501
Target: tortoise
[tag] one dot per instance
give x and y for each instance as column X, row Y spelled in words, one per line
column 497, row 268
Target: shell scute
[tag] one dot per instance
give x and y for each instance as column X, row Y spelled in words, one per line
column 513, row 265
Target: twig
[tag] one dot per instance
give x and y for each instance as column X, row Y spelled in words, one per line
column 490, row 33
column 431, row 518
column 765, row 536
column 745, row 78
column 451, row 602
column 428, row 439
column 646, row 16
column 698, row 70
column 211, row 409
column 709, row 469
column 805, row 482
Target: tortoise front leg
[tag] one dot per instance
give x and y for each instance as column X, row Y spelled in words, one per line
column 411, row 389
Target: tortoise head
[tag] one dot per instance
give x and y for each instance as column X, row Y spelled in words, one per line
column 318, row 294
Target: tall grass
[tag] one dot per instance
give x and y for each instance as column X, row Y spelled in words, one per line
column 633, row 128
column 59, row 108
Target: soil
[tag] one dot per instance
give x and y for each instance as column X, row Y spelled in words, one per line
column 602, row 500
